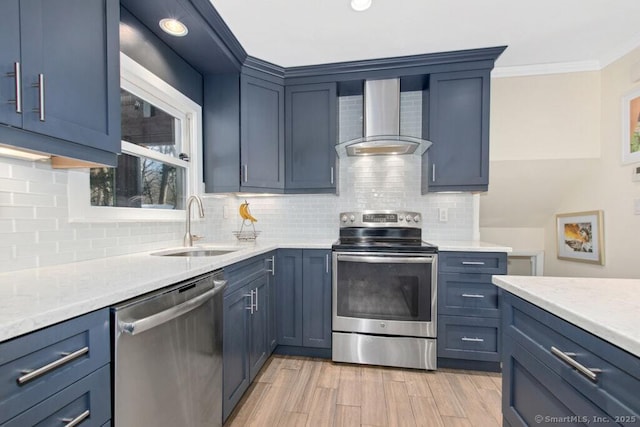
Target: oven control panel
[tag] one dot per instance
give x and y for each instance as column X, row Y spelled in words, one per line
column 380, row 219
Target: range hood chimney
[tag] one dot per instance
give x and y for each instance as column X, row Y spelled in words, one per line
column 382, row 124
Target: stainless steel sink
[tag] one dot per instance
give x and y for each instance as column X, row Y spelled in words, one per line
column 194, row 252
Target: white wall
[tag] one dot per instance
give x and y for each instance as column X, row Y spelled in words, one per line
column 555, row 148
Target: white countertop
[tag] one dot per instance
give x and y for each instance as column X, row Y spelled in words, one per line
column 608, row 308
column 469, row 245
column 35, row 298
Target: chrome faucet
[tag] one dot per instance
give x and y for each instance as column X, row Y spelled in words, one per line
column 188, row 237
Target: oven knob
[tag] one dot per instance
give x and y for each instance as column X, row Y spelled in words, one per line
column 383, row 325
column 344, row 218
column 401, row 218
column 416, row 218
column 352, row 218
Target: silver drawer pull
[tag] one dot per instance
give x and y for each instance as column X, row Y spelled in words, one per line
column 67, row 357
column 40, row 86
column 72, row 422
column 472, row 296
column 471, row 339
column 590, row 373
column 17, row 75
column 251, row 306
column 472, row 262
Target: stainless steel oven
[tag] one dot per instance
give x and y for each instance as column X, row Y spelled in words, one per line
column 384, row 291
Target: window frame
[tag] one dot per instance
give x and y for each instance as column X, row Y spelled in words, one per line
column 142, row 83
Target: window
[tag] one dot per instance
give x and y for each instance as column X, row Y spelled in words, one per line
column 160, row 162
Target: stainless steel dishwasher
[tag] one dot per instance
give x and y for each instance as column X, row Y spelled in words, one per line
column 168, row 356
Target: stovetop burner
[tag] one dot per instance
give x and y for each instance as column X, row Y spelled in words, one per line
column 382, row 231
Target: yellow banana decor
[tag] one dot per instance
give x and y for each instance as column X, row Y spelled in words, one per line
column 245, row 213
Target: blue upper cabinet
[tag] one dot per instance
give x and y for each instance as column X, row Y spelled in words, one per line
column 67, row 56
column 261, row 134
column 311, row 115
column 456, row 120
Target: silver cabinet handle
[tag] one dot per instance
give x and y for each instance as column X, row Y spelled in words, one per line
column 332, row 175
column 67, row 357
column 273, row 265
column 245, row 172
column 471, row 339
column 17, row 75
column 433, row 173
column 40, row 86
column 326, row 263
column 472, row 262
column 142, row 325
column 72, row 422
column 567, row 358
column 251, row 305
column 472, row 296
column 256, row 303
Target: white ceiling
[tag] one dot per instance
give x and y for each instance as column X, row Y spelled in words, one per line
column 542, row 35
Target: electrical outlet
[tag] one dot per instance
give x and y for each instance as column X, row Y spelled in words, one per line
column 225, row 211
column 443, row 214
column 636, row 207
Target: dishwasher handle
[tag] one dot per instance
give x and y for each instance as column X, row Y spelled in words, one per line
column 142, row 325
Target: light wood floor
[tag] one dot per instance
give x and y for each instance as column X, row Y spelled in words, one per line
column 296, row 391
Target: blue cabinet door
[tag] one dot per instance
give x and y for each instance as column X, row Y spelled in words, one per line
column 289, row 296
column 71, row 48
column 235, row 348
column 272, row 329
column 261, row 134
column 316, row 291
column 9, row 59
column 259, row 324
column 311, row 133
column 458, row 125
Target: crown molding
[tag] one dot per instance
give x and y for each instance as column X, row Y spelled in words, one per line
column 541, row 69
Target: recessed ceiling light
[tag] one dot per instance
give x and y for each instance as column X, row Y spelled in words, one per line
column 360, row 5
column 173, row 27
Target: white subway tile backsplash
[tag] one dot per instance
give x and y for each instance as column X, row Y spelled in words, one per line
column 34, row 215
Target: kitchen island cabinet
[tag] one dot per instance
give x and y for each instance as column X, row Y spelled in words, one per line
column 557, row 364
column 468, row 309
column 49, row 101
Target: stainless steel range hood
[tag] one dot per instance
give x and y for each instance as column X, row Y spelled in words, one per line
column 382, row 124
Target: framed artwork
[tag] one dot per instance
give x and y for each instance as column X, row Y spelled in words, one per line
column 631, row 127
column 580, row 237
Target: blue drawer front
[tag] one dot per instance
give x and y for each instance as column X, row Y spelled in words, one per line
column 473, row 262
column 468, row 338
column 91, row 394
column 467, row 295
column 43, row 347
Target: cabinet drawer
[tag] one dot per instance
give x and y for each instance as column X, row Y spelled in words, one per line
column 615, row 388
column 467, row 295
column 473, row 262
column 531, row 390
column 86, row 336
column 88, row 399
column 471, row 338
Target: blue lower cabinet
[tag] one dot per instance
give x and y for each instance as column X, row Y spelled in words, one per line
column 247, row 309
column 56, row 357
column 541, row 387
column 468, row 309
column 303, row 292
column 87, row 401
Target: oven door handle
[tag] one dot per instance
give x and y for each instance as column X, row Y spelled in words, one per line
column 387, row 259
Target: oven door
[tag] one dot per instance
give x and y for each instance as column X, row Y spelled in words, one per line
column 385, row 293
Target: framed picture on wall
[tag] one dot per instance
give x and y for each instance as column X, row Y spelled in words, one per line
column 631, row 127
column 580, row 237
